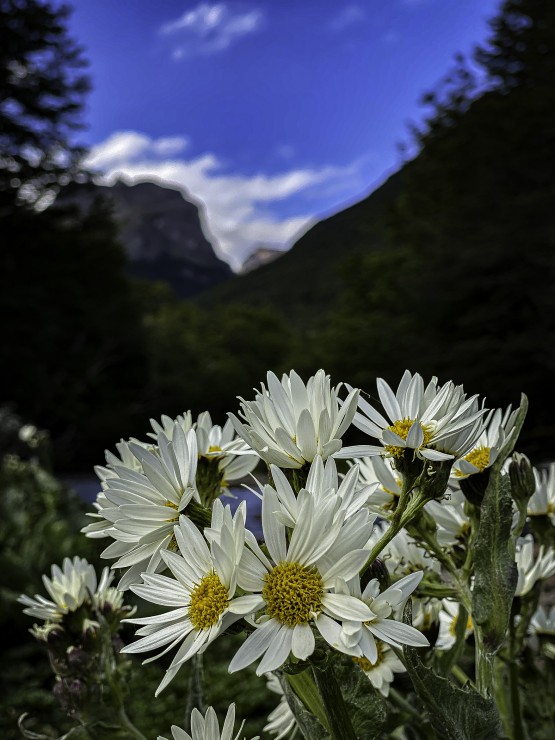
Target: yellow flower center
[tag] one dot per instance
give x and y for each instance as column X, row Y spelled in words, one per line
column 208, row 602
column 453, row 625
column 479, row 457
column 365, row 664
column 402, row 427
column 292, row 593
column 214, row 448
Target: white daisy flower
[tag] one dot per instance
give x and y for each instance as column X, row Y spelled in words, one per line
column 295, row 588
column 531, row 568
column 437, row 422
column 453, row 525
column 381, row 673
column 498, row 427
column 281, row 720
column 184, row 421
column 69, row 587
column 403, row 556
column 324, row 485
column 234, row 458
column 208, row 728
column 288, row 423
column 543, row 621
column 202, row 590
column 542, row 502
column 360, row 635
column 138, row 509
column 448, row 617
column 383, row 481
column 425, row 612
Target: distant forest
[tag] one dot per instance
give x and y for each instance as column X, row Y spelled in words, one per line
column 448, row 269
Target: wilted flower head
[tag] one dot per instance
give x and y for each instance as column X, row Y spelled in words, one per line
column 288, row 423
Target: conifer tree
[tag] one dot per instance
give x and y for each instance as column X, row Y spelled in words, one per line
column 42, row 87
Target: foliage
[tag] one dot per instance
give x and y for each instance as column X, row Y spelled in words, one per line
column 41, row 92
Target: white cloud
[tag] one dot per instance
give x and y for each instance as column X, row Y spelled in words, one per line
column 125, row 146
column 347, row 17
column 210, row 28
column 237, row 213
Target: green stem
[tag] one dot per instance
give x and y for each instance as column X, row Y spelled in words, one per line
column 339, row 721
column 518, row 724
column 304, row 687
column 460, row 675
column 502, row 699
column 129, row 726
column 406, row 510
column 484, row 665
column 404, row 705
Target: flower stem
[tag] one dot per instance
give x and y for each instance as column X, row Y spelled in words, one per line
column 339, row 721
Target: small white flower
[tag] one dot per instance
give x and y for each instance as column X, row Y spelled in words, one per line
column 360, row 635
column 403, row 556
column 542, row 502
column 288, row 423
column 383, row 481
column 281, row 720
column 453, row 525
column 208, row 728
column 202, row 590
column 323, row 483
column 498, row 427
column 381, row 673
column 234, row 458
column 448, row 617
column 437, row 422
column 68, row 587
column 295, row 588
column 530, row 568
column 184, row 421
column 138, row 508
column 543, row 621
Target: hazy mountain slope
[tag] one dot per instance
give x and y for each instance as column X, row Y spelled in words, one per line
column 162, row 234
column 301, row 282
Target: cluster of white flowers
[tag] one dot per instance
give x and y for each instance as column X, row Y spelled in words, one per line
column 314, row 582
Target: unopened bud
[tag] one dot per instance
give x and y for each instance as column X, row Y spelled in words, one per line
column 523, row 483
column 378, row 570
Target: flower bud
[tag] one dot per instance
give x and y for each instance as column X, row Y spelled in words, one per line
column 523, row 483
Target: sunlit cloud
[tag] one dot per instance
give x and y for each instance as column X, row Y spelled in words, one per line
column 125, row 146
column 210, row 28
column 346, row 17
column 237, row 210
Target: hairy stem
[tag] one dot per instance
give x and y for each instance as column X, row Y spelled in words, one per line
column 339, row 721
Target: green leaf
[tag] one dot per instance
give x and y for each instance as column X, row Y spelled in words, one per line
column 310, row 727
column 367, row 707
column 454, row 713
column 494, row 566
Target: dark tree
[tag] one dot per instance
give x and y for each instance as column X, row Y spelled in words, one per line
column 42, row 85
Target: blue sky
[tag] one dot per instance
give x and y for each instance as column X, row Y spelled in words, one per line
column 271, row 113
